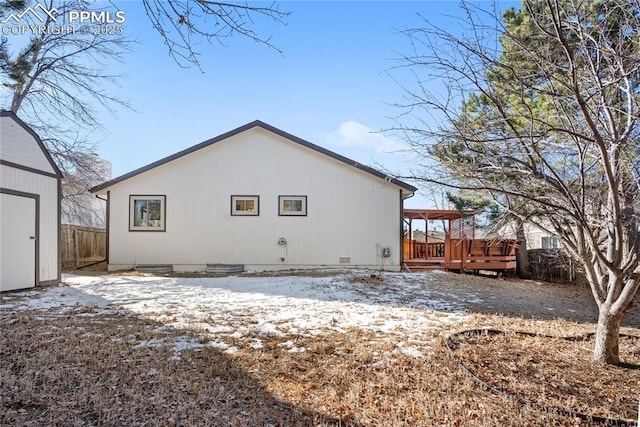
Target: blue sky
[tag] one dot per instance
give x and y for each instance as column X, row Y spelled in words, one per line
column 331, row 86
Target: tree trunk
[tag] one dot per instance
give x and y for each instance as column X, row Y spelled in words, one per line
column 522, row 257
column 607, row 337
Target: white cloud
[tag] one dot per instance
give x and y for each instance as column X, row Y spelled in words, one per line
column 354, row 134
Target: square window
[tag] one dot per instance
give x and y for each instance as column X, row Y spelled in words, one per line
column 146, row 213
column 550, row 242
column 245, row 205
column 292, row 205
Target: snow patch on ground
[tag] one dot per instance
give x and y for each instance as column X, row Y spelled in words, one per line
column 224, row 310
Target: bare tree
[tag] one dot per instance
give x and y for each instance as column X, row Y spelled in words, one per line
column 541, row 115
column 79, row 206
column 184, row 24
column 59, row 82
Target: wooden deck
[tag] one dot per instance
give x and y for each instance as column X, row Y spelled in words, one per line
column 460, row 251
column 461, row 255
column 416, row 265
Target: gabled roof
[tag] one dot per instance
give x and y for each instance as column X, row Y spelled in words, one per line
column 36, row 137
column 256, row 123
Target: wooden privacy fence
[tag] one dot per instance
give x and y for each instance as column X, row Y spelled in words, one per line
column 82, row 246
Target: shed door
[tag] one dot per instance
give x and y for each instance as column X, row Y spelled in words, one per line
column 18, row 235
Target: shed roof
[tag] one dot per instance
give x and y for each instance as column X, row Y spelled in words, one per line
column 36, row 137
column 260, row 124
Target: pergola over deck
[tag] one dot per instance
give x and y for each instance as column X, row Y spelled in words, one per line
column 459, row 225
column 460, row 250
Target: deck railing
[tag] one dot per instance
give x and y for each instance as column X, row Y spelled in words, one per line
column 466, row 254
column 480, row 254
column 421, row 250
column 435, row 250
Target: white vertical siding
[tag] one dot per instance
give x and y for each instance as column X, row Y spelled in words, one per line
column 533, row 234
column 47, row 188
column 350, row 213
column 18, row 146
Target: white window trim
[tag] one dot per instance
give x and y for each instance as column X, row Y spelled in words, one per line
column 163, row 212
column 282, row 212
column 235, row 212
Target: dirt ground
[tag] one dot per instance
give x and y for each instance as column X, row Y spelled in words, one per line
column 527, row 299
column 81, row 368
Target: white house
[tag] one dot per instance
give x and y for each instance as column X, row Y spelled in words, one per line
column 536, row 237
column 29, row 208
column 259, row 197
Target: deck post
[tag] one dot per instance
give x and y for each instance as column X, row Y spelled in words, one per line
column 426, row 238
column 463, row 252
column 410, row 239
column 447, row 252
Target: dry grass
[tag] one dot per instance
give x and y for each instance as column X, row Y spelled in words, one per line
column 84, row 368
column 555, row 372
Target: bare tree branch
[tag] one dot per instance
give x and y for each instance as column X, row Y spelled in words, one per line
column 60, row 83
column 546, row 124
column 185, row 24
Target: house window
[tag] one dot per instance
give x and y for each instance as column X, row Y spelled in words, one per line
column 146, row 213
column 550, row 242
column 245, row 205
column 292, row 205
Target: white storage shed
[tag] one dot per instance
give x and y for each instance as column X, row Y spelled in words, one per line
column 30, row 191
column 257, row 197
